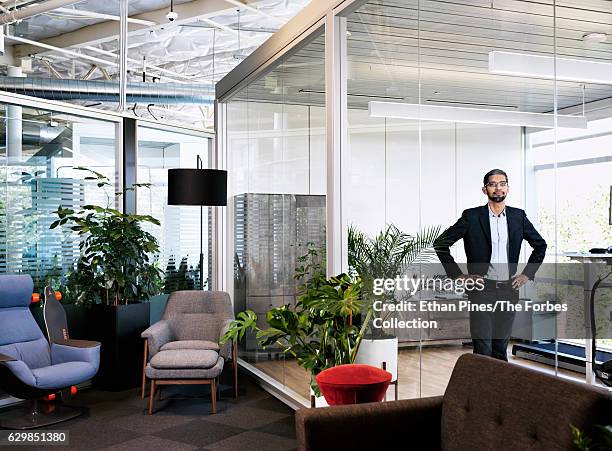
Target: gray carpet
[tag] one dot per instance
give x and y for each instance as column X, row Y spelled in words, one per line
column 182, row 421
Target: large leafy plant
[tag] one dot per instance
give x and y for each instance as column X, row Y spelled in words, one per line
column 317, row 331
column 116, row 264
column 385, row 256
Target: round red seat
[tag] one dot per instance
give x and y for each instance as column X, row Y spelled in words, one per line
column 353, row 384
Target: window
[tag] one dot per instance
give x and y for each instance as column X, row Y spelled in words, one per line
column 39, row 152
column 179, row 232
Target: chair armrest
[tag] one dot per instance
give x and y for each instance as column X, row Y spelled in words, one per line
column 157, row 335
column 225, row 350
column 371, row 426
column 76, row 351
column 78, row 343
column 6, row 358
column 19, row 369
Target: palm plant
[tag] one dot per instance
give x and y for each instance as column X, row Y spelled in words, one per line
column 387, row 255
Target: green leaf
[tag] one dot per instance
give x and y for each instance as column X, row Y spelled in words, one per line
column 244, row 322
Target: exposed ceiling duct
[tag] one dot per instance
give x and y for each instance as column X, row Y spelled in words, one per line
column 184, row 47
column 65, row 43
column 36, row 134
column 108, row 91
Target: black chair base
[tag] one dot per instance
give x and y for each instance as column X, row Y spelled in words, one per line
column 38, row 414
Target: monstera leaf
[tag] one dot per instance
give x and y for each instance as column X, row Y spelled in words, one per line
column 317, row 331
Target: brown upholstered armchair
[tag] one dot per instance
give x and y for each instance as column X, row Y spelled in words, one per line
column 193, row 321
column 488, row 405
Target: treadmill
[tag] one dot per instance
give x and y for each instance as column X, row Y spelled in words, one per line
column 569, row 356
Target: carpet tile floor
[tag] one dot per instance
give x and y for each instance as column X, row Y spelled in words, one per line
column 182, row 420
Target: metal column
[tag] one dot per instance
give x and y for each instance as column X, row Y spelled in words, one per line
column 123, row 53
column 14, row 125
column 130, row 160
column 336, row 139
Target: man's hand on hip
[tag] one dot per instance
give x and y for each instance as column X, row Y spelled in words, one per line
column 518, row 280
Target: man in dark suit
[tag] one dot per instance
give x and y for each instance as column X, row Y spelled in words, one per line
column 492, row 235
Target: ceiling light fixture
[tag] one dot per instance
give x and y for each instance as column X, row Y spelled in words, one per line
column 476, row 104
column 472, row 115
column 537, row 66
column 172, row 15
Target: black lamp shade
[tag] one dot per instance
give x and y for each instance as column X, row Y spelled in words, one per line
column 206, row 187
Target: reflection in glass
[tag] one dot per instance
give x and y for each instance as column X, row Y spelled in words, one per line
column 275, row 148
column 38, row 156
column 178, row 234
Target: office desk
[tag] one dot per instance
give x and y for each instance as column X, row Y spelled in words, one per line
column 589, row 280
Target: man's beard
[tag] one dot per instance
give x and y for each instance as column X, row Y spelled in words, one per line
column 498, row 199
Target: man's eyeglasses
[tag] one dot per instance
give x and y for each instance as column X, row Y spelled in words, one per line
column 496, row 184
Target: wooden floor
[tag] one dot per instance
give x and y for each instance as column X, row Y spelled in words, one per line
column 419, row 374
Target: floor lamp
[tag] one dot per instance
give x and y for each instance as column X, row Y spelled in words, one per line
column 202, row 187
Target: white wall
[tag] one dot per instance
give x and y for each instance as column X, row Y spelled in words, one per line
column 416, row 180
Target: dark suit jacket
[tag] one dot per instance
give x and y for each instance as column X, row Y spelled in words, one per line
column 473, row 226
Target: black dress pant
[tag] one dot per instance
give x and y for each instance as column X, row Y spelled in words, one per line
column 490, row 330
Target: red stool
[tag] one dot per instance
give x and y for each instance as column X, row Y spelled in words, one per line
column 353, row 384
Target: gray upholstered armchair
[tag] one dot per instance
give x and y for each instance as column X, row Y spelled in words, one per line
column 183, row 347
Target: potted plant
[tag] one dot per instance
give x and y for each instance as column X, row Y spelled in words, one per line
column 317, row 331
column 115, row 274
column 384, row 256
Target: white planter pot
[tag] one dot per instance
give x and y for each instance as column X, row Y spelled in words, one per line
column 319, row 400
column 375, row 352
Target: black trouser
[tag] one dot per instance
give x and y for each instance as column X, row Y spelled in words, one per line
column 490, row 331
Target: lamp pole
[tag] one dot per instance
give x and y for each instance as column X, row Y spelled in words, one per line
column 201, row 187
column 199, row 165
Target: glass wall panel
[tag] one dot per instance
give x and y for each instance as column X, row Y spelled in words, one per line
column 179, row 234
column 276, row 160
column 39, row 156
column 434, row 95
column 576, row 165
column 430, row 111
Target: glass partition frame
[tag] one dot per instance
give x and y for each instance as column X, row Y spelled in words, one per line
column 337, row 134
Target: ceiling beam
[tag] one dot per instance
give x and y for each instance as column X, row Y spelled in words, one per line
column 93, row 15
column 109, row 30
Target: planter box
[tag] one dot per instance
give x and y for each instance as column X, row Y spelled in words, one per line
column 158, row 305
column 118, row 329
column 81, row 320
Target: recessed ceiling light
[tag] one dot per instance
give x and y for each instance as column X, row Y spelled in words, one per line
column 472, row 115
column 594, row 37
column 548, row 67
